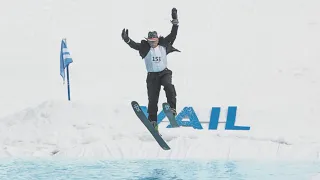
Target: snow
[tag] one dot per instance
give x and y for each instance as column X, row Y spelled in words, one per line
column 262, row 57
column 316, row 177
column 79, row 129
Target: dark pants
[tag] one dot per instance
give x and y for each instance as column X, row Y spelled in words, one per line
column 154, row 82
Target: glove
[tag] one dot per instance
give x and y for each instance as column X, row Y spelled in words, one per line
column 125, row 35
column 174, row 16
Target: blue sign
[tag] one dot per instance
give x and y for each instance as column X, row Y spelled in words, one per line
column 189, row 113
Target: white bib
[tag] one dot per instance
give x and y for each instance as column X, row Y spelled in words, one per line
column 156, row 59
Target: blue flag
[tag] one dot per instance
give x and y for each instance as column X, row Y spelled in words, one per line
column 65, row 58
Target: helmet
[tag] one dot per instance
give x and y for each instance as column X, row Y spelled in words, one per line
column 152, row 36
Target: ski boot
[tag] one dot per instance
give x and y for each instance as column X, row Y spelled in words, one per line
column 155, row 125
column 174, row 112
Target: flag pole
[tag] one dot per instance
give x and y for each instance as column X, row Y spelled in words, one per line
column 68, row 82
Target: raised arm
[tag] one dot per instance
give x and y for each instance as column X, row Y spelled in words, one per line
column 175, row 24
column 130, row 42
column 173, row 34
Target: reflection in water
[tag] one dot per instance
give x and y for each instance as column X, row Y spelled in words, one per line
column 181, row 170
column 159, row 174
column 231, row 170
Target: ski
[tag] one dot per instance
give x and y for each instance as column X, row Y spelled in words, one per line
column 137, row 109
column 170, row 116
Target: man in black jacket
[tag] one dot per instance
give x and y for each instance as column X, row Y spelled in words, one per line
column 154, row 51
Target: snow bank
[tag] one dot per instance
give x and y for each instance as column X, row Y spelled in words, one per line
column 79, row 129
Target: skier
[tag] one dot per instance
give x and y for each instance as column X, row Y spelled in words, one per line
column 154, row 51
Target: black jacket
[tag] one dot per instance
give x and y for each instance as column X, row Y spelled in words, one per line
column 143, row 47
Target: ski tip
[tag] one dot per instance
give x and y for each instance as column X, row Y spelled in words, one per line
column 134, row 102
column 165, row 104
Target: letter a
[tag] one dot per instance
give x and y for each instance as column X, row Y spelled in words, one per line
column 188, row 113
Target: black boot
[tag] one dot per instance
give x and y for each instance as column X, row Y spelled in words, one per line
column 174, row 112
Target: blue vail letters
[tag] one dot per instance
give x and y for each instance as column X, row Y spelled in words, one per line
column 189, row 113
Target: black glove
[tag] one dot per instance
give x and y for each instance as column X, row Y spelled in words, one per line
column 125, row 35
column 174, row 15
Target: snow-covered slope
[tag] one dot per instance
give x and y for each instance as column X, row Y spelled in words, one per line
column 261, row 56
column 77, row 129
